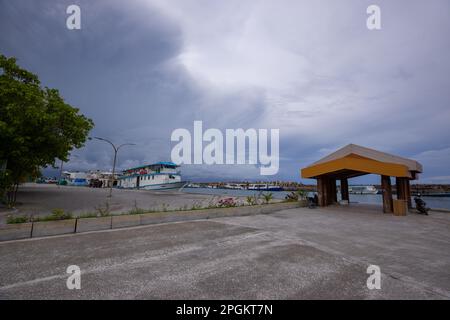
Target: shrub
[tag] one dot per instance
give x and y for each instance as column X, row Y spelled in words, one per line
column 104, row 211
column 267, row 197
column 88, row 215
column 251, row 200
column 302, row 194
column 13, row 220
column 212, row 203
column 136, row 209
column 227, row 202
column 292, row 196
column 57, row 214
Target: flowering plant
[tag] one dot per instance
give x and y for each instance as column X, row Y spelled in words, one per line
column 227, row 202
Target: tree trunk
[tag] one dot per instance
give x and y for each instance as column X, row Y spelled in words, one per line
column 16, row 188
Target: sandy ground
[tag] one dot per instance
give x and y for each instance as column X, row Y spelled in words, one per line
column 41, row 199
column 292, row 254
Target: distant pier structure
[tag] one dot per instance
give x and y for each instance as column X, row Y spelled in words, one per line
column 353, row 161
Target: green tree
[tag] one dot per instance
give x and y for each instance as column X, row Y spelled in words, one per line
column 36, row 126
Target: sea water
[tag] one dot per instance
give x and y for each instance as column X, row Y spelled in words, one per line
column 432, row 202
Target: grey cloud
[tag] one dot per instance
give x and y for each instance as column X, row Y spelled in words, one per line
column 310, row 68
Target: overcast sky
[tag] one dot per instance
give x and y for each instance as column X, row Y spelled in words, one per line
column 312, row 69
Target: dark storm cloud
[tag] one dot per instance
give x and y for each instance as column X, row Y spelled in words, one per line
column 141, row 69
column 117, row 69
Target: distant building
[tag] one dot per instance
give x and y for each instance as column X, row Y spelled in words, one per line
column 76, row 178
column 102, row 179
column 91, row 178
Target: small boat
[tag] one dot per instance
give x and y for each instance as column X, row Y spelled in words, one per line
column 157, row 176
column 264, row 187
column 436, row 194
column 362, row 190
column 233, row 186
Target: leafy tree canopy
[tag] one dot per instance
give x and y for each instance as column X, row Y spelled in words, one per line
column 36, row 124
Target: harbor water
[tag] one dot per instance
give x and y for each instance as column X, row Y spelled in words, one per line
column 432, row 202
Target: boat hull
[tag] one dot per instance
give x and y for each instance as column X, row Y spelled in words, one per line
column 363, row 192
column 164, row 186
column 266, row 189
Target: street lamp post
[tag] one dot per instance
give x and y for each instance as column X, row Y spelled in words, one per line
column 116, row 149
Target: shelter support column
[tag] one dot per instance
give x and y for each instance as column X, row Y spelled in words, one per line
column 326, row 189
column 404, row 190
column 408, row 193
column 401, row 188
column 387, row 194
column 333, row 192
column 344, row 189
column 322, row 191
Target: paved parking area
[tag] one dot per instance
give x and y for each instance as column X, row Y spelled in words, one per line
column 291, row 254
column 41, row 199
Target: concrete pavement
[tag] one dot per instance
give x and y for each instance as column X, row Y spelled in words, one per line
column 292, row 254
column 41, row 199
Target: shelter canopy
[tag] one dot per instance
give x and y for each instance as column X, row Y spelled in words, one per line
column 353, row 160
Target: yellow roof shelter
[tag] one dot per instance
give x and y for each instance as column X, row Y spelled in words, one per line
column 353, row 161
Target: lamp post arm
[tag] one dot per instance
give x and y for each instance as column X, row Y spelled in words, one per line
column 116, row 149
column 106, row 140
column 125, row 144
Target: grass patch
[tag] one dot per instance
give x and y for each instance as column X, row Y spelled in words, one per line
column 88, row 215
column 136, row 209
column 104, row 211
column 57, row 214
column 14, row 220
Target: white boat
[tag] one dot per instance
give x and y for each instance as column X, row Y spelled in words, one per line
column 157, row 176
column 362, row 190
column 234, row 186
column 264, row 186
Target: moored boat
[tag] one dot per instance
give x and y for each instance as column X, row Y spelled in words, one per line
column 234, row 186
column 264, row 187
column 362, row 190
column 157, row 176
